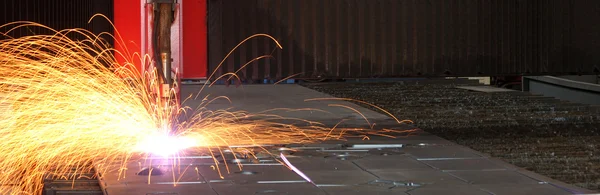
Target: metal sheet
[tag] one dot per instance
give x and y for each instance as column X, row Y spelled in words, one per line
column 366, row 174
column 563, row 89
column 268, row 189
column 362, row 190
column 496, row 177
column 361, row 171
column 389, row 38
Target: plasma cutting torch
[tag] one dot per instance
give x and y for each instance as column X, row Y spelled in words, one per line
column 163, row 17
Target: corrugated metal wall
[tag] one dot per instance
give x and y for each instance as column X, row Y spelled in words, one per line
column 377, row 38
column 57, row 14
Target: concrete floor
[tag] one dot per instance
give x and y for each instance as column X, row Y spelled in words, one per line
column 417, row 164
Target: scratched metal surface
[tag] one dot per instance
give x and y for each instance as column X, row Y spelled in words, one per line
column 418, row 164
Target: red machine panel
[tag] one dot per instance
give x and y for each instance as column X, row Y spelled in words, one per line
column 194, row 39
column 128, row 27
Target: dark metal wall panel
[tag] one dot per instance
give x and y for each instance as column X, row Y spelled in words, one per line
column 395, row 38
column 56, row 14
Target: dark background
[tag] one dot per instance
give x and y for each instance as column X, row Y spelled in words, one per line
column 375, row 38
column 56, row 14
column 410, row 38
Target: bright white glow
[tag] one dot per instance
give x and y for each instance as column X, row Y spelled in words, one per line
column 165, row 145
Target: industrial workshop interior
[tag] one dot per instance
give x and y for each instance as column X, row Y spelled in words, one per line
column 299, row 97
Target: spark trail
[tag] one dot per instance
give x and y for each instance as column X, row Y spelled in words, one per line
column 66, row 105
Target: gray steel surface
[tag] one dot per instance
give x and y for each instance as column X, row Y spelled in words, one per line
column 564, row 89
column 259, row 98
column 419, row 163
column 488, row 89
column 396, row 170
